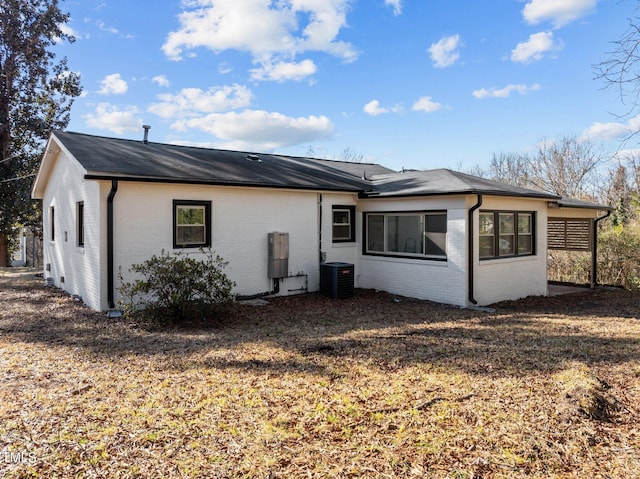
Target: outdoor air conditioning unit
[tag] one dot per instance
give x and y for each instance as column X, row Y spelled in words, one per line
column 336, row 280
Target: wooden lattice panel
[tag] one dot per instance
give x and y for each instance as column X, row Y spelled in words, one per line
column 571, row 234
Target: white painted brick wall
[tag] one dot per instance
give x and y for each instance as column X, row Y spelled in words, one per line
column 442, row 281
column 77, row 265
column 339, row 252
column 241, row 221
column 513, row 278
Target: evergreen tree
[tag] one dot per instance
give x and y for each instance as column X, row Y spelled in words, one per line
column 36, row 94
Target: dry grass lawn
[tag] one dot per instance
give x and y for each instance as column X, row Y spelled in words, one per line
column 309, row 387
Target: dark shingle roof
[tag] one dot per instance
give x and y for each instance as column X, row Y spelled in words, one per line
column 565, row 202
column 445, row 182
column 109, row 158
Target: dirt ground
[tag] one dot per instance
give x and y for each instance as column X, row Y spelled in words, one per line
column 306, row 386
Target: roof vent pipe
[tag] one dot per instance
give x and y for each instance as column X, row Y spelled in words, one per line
column 146, row 133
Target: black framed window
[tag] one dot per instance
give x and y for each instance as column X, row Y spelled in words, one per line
column 343, row 224
column 412, row 234
column 191, row 224
column 80, row 222
column 506, row 234
column 52, row 223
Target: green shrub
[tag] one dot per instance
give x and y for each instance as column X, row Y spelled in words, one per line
column 619, row 256
column 176, row 286
column 569, row 266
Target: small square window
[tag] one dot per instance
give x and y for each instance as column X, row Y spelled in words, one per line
column 191, row 224
column 343, row 224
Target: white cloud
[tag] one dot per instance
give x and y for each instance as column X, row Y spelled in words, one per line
column 426, row 104
column 373, row 108
column 627, row 154
column 506, row 91
column 113, row 84
column 444, row 52
column 558, row 12
column 224, row 68
column 396, row 4
column 611, row 130
column 272, row 32
column 102, row 26
column 283, row 71
column 190, row 102
column 67, row 30
column 260, row 130
column 606, row 131
column 534, row 48
column 161, row 80
column 112, row 118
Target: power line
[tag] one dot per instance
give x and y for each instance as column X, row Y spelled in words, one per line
column 17, row 155
column 18, row 178
column 11, row 157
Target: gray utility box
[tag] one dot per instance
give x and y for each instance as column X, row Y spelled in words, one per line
column 336, row 280
column 278, row 255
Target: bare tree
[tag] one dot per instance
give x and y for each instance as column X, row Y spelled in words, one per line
column 566, row 167
column 348, row 154
column 511, row 168
column 634, row 172
column 351, row 155
column 622, row 68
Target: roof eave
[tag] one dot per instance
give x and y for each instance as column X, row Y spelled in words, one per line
column 586, row 206
column 374, row 194
column 192, row 181
column 46, row 165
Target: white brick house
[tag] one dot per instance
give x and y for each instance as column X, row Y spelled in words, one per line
column 438, row 235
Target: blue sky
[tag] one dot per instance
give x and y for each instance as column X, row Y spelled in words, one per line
column 406, row 83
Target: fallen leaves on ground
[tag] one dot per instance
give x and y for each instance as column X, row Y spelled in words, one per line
column 308, row 386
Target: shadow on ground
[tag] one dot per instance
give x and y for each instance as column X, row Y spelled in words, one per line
column 534, row 334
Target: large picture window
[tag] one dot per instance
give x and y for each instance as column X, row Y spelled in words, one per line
column 191, row 224
column 506, row 234
column 422, row 234
column 343, row 224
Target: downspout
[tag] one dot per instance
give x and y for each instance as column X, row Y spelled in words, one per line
column 110, row 282
column 470, row 248
column 594, row 254
column 322, row 260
